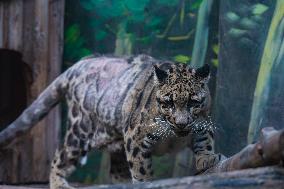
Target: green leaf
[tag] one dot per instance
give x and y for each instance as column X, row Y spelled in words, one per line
column 72, row 33
column 247, row 23
column 236, row 33
column 215, row 48
column 195, row 5
column 215, row 62
column 182, row 58
column 232, row 17
column 259, row 9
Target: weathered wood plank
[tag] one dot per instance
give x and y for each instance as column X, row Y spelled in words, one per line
column 40, row 67
column 28, row 34
column 1, row 23
column 4, row 24
column 55, row 45
column 15, row 27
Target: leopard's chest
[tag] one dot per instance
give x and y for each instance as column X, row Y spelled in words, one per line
column 171, row 145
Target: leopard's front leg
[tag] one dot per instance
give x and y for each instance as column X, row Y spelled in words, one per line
column 138, row 148
column 203, row 148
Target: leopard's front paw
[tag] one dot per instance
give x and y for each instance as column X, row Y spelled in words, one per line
column 58, row 182
column 206, row 161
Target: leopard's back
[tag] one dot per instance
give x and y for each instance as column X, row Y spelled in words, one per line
column 107, row 86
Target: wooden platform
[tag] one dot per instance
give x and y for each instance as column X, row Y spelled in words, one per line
column 23, row 187
column 260, row 178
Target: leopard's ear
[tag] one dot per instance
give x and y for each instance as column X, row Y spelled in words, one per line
column 160, row 74
column 203, row 72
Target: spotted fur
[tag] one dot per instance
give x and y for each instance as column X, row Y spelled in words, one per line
column 133, row 108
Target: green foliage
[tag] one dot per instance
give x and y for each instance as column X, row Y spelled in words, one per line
column 196, row 4
column 168, row 2
column 116, row 9
column 153, row 18
column 88, row 5
column 74, row 44
column 154, row 22
column 248, row 23
column 215, row 61
column 100, row 35
column 232, row 17
column 215, row 48
column 182, row 58
column 104, row 8
column 237, row 33
column 136, row 6
column 257, row 18
column 259, row 9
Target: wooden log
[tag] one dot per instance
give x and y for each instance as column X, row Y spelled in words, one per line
column 259, row 178
column 269, row 150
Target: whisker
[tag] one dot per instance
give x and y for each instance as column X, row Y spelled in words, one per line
column 204, row 125
column 162, row 129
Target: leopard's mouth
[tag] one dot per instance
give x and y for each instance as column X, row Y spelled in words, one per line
column 196, row 126
column 166, row 124
column 180, row 132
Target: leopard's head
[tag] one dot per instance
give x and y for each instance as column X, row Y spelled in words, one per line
column 182, row 95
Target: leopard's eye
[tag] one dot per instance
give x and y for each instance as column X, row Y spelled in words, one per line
column 193, row 103
column 196, row 111
column 167, row 102
column 167, row 98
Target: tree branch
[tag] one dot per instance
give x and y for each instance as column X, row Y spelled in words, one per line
column 269, row 150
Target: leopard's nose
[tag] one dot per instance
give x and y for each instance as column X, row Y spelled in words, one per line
column 183, row 121
column 181, row 126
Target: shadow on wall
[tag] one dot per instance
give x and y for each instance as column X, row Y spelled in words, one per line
column 15, row 79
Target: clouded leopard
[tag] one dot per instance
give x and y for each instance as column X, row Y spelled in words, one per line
column 129, row 107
